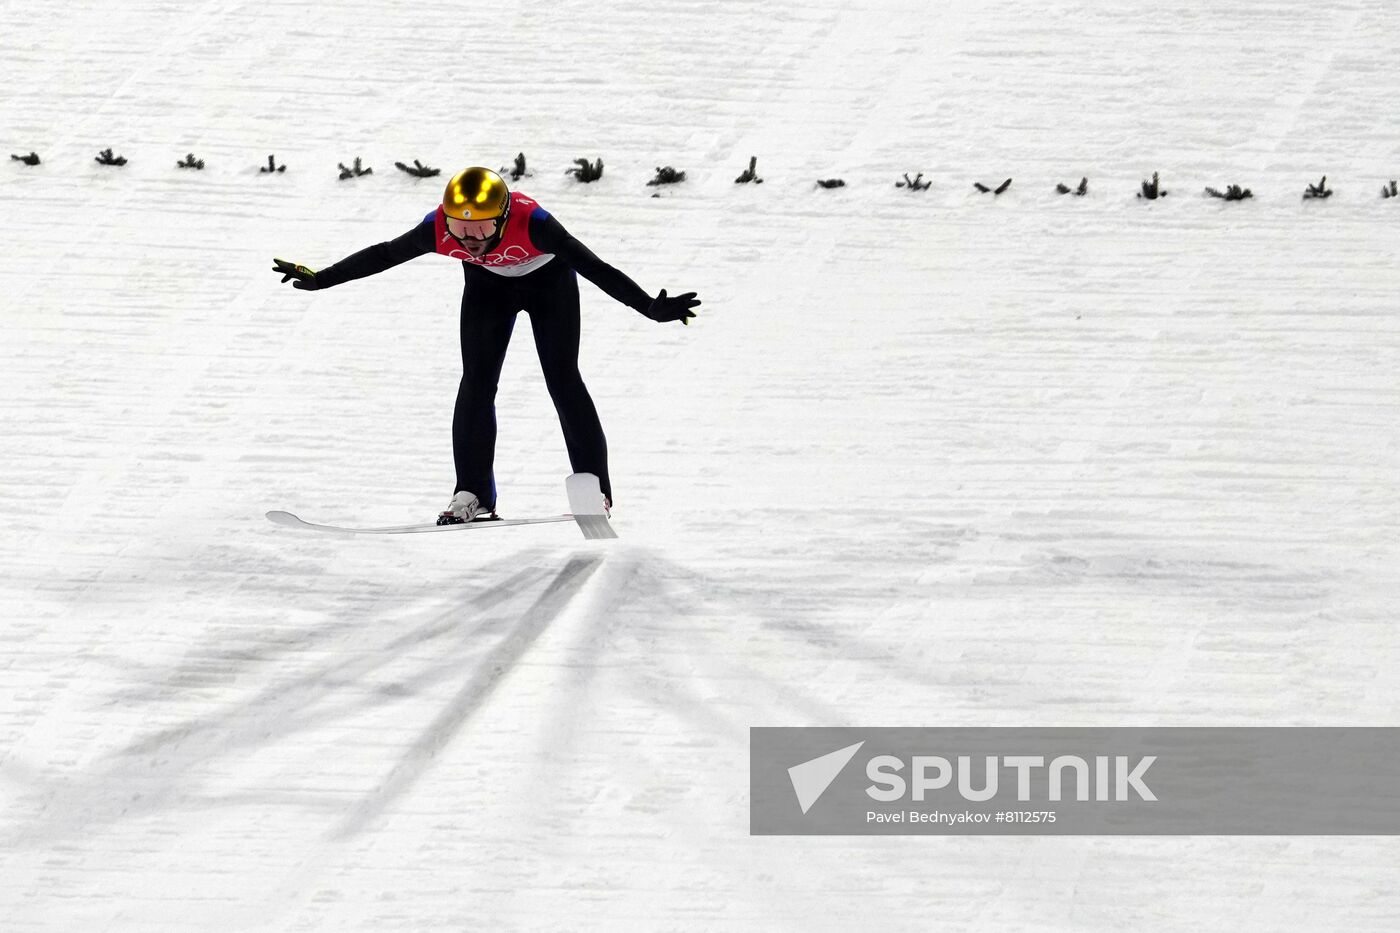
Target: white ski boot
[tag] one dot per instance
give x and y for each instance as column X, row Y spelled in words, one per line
column 465, row 507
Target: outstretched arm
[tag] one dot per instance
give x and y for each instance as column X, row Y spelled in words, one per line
column 550, row 236
column 368, row 261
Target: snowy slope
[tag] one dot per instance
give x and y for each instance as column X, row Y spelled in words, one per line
column 924, row 459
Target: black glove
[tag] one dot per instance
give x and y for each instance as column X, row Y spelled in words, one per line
column 305, row 278
column 664, row 309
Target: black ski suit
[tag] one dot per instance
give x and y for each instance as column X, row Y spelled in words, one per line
column 490, row 302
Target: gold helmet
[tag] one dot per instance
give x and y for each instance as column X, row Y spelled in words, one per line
column 476, row 194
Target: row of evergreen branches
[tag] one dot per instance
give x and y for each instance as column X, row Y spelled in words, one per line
column 586, row 171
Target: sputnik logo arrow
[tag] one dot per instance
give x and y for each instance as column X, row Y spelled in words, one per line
column 811, row 778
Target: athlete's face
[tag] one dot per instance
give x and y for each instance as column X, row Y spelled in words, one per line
column 474, row 235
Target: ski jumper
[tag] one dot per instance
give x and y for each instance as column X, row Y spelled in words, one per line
column 532, row 269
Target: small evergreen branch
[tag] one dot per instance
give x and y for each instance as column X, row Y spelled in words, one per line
column 586, row 172
column 1231, row 193
column 354, row 171
column 1152, row 190
column 518, row 171
column 666, row 176
column 419, row 170
column 914, row 184
column 190, row 161
column 271, row 167
column 1082, row 190
column 31, row 159
column 105, row 157
column 749, row 174
column 831, row 183
column 1319, row 190
column 1389, row 192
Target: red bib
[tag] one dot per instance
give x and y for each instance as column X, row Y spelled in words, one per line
column 513, row 254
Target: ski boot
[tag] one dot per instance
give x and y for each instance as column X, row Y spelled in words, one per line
column 465, row 507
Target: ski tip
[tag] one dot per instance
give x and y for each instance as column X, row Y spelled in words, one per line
column 288, row 520
column 586, row 503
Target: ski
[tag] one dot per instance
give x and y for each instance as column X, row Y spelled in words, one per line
column 585, row 498
column 288, row 520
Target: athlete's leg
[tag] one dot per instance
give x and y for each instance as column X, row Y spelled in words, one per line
column 554, row 318
column 488, row 315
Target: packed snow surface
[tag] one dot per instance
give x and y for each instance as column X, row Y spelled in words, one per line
column 935, row 458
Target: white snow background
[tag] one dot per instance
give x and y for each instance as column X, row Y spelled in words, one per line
column 923, row 459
